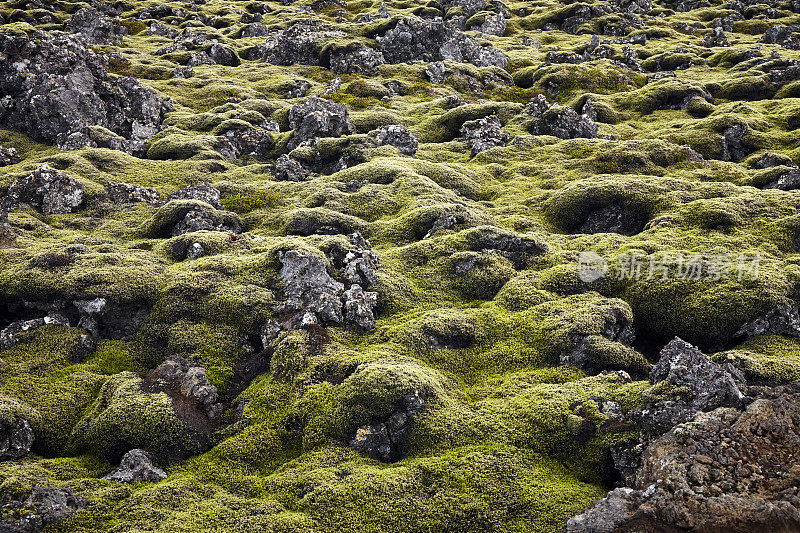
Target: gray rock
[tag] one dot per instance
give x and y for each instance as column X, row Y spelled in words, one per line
column 494, row 25
column 360, row 60
column 202, row 192
column 53, row 86
column 288, row 168
column 398, row 136
column 316, row 118
column 384, row 440
column 613, row 219
column 484, row 133
column 717, row 38
column 786, row 36
column 189, row 382
column 46, row 190
column 51, row 505
column 465, row 48
column 301, row 43
column 699, row 385
column 9, row 334
column 195, row 251
column 8, row 156
column 359, row 306
column 783, row 319
column 560, row 121
column 96, row 27
column 136, row 467
column 127, row 193
column 470, row 7
column 16, row 439
column 312, row 295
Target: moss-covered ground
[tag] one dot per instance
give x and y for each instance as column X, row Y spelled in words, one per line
column 499, row 446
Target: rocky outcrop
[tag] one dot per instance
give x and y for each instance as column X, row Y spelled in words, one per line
column 45, row 506
column 96, row 27
column 317, row 118
column 484, row 133
column 398, row 136
column 726, row 470
column 127, row 193
column 136, row 467
column 46, row 190
column 288, row 168
column 314, row 297
column 16, row 438
column 357, row 60
column 560, row 121
column 8, row 156
column 384, row 439
column 202, row 192
column 53, row 89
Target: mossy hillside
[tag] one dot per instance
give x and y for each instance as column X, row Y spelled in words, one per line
column 500, row 444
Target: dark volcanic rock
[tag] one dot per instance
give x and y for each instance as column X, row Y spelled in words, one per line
column 96, row 27
column 16, row 438
column 688, row 382
column 126, row 193
column 360, row 60
column 784, row 319
column 726, row 470
column 52, row 87
column 316, row 118
column 288, row 168
column 136, row 466
column 45, row 506
column 46, row 190
column 397, row 136
column 202, row 192
column 8, row 156
column 484, row 133
column 384, row 439
column 302, row 43
column 560, row 121
column 613, row 219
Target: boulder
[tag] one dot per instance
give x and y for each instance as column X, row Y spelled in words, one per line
column 359, row 60
column 316, row 118
column 398, row 136
column 96, row 27
column 483, row 134
column 202, row 192
column 46, row 190
column 8, row 156
column 560, row 121
column 288, row 168
column 127, row 193
column 384, row 439
column 52, row 86
column 136, row 467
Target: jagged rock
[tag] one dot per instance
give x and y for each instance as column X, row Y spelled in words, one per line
column 494, row 25
column 316, row 118
column 222, row 55
column 717, row 38
column 560, row 121
column 288, row 168
column 784, row 319
column 51, row 86
column 470, row 7
column 465, row 48
column 136, row 467
column 414, row 38
column 127, row 193
column 398, row 136
column 195, row 251
column 251, row 140
column 786, row 36
column 158, row 28
column 639, row 7
column 688, row 382
column 484, row 133
column 202, row 192
column 301, row 43
column 771, row 159
column 201, row 219
column 384, row 440
column 361, row 60
column 732, row 147
column 256, row 29
column 44, row 507
column 96, row 27
column 311, row 294
column 725, row 470
column 359, row 306
column 46, row 190
column 8, row 156
column 16, row 438
column 612, row 219
column 190, row 382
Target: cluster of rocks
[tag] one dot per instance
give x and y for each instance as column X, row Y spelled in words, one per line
column 786, row 36
column 317, row 118
column 484, row 133
column 45, row 506
column 560, row 121
column 8, row 156
column 714, row 453
column 384, row 439
column 55, row 89
column 185, row 384
column 204, row 51
column 100, row 318
column 47, row 190
column 96, row 27
column 314, row 297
